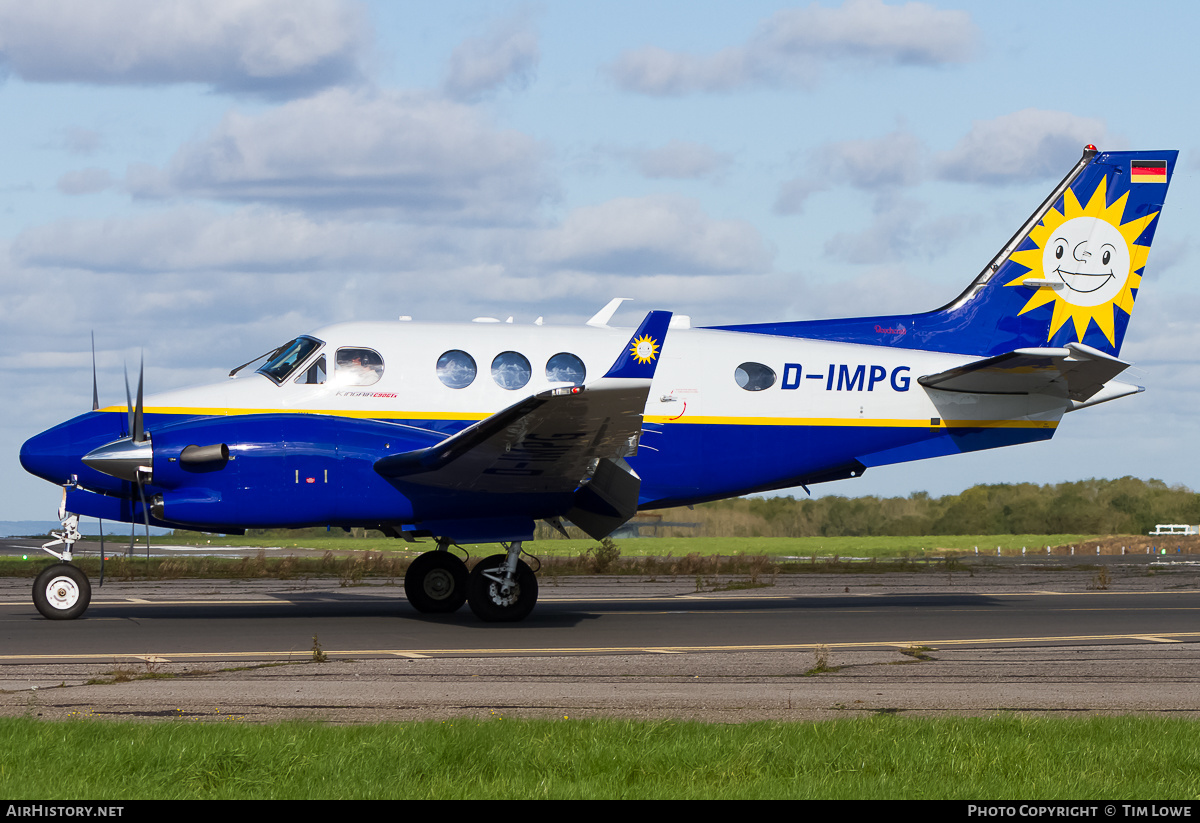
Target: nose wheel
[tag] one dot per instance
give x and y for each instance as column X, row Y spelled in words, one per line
column 62, row 592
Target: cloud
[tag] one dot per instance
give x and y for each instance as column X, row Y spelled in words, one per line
column 794, row 193
column 883, row 163
column 508, row 55
column 251, row 239
column 653, row 235
column 429, row 158
column 276, row 48
column 84, row 181
column 678, row 159
column 890, row 238
column 1027, row 145
column 791, row 47
column 629, row 236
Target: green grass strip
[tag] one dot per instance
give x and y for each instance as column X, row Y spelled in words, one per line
column 1002, row 757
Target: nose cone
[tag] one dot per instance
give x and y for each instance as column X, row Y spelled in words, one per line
column 51, row 455
column 55, row 454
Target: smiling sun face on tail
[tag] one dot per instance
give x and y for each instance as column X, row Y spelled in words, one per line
column 644, row 349
column 1090, row 260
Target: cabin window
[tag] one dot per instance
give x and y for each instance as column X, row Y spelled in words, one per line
column 456, row 369
column 754, row 376
column 565, row 368
column 288, row 357
column 314, row 374
column 358, row 367
column 511, row 370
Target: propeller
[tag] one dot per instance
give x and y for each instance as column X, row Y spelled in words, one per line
column 95, row 390
column 137, row 437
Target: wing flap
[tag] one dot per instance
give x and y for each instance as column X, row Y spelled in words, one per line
column 1076, row 371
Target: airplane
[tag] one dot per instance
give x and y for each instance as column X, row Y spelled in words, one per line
column 472, row 433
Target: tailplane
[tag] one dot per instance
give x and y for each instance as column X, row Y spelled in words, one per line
column 1070, row 274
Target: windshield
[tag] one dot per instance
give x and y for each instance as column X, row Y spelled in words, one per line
column 287, row 358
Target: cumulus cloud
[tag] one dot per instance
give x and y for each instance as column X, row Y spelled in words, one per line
column 1027, row 145
column 791, row 47
column 507, row 56
column 427, row 157
column 631, row 236
column 656, row 234
column 84, row 181
column 191, row 239
column 678, row 159
column 277, row 48
column 883, row 163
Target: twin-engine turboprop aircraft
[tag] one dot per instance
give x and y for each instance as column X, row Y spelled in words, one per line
column 472, row 433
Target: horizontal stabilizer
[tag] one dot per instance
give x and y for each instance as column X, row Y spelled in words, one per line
column 1077, row 370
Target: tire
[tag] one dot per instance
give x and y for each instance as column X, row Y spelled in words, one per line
column 490, row 604
column 62, row 592
column 436, row 583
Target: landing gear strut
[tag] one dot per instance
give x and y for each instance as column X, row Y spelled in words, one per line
column 502, row 588
column 62, row 591
column 436, row 582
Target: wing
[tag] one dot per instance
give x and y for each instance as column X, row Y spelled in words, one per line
column 1077, row 372
column 554, row 441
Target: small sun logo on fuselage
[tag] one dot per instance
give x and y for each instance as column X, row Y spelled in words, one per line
column 644, row 349
column 1090, row 261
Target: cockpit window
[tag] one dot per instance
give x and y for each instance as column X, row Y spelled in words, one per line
column 288, row 357
column 358, row 367
column 314, row 374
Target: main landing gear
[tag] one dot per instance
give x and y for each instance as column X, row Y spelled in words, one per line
column 62, row 591
column 501, row 588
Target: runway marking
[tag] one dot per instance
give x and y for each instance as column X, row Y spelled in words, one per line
column 305, row 656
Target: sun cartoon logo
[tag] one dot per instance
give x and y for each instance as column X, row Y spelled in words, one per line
column 1089, row 261
column 644, row 349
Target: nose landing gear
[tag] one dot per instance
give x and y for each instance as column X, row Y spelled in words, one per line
column 62, row 591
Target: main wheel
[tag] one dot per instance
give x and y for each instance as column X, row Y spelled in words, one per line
column 492, row 601
column 436, row 583
column 62, row 592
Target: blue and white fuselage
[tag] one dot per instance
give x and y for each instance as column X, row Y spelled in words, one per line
column 473, row 432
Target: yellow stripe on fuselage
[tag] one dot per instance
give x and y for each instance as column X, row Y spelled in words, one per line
column 694, row 420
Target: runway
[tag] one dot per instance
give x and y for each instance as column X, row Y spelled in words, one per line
column 1026, row 638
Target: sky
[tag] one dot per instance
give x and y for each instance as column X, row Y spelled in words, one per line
column 198, row 181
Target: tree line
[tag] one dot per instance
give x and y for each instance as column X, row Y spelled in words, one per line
column 1124, row 506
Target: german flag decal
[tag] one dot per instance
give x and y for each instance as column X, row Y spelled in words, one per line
column 1148, row 171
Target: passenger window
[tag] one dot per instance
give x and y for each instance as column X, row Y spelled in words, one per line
column 456, row 369
column 314, row 374
column 358, row 367
column 511, row 370
column 754, row 376
column 565, row 368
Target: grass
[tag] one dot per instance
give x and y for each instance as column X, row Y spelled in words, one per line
column 760, row 558
column 885, row 756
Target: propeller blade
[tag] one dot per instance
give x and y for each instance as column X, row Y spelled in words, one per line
column 128, row 397
column 138, row 432
column 101, row 522
column 95, row 391
column 145, row 511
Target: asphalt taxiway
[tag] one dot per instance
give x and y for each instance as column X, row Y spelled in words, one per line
column 986, row 638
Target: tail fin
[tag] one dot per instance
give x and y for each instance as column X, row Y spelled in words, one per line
column 1070, row 274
